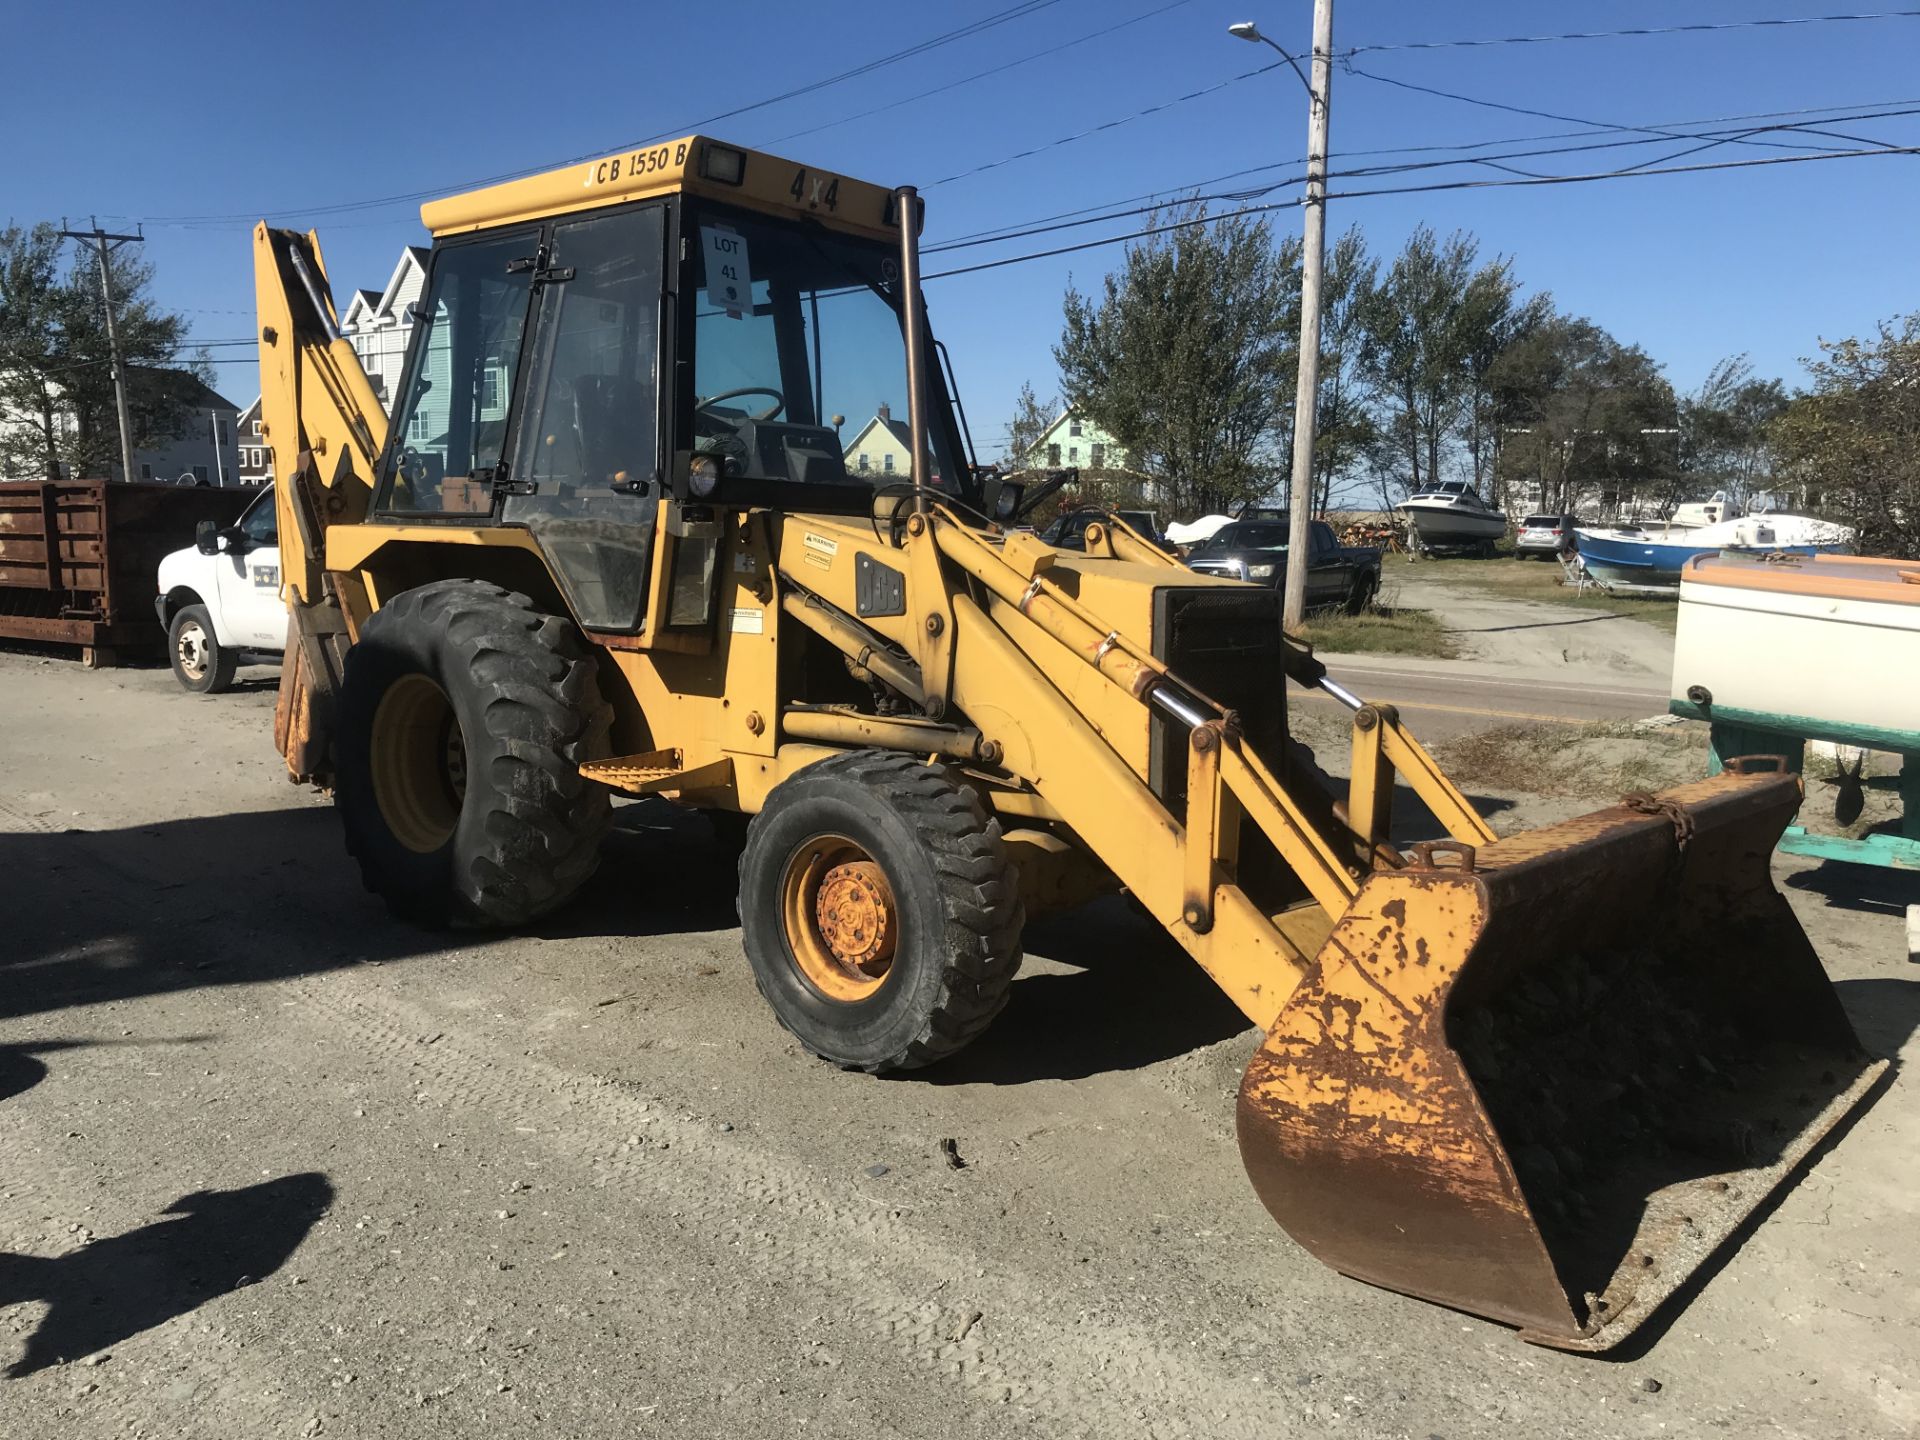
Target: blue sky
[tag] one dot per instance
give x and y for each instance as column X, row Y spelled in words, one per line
column 234, row 110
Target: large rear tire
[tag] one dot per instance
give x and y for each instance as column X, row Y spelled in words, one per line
column 465, row 714
column 880, row 911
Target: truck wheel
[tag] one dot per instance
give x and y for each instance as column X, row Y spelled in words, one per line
column 880, row 911
column 1365, row 587
column 464, row 716
column 200, row 661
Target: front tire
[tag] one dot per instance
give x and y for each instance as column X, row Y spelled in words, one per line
column 200, row 661
column 880, row 911
column 465, row 714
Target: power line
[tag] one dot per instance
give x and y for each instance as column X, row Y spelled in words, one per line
column 1193, row 221
column 1194, row 193
column 1590, row 129
column 1015, row 12
column 1644, row 30
column 965, row 32
column 1107, row 125
column 1538, row 114
column 1026, row 59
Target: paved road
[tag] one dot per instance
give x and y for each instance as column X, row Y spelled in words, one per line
column 1441, row 699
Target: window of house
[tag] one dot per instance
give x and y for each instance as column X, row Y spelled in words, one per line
column 220, row 429
column 1099, row 455
column 1073, row 454
column 886, row 462
column 863, row 466
column 1053, row 453
column 1073, row 426
column 146, row 472
column 200, row 473
column 490, row 388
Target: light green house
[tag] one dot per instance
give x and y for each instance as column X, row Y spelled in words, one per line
column 1072, row 441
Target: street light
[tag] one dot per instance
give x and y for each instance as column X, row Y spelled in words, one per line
column 1312, row 273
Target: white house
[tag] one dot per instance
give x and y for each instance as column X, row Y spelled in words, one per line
column 207, row 447
column 1074, row 441
column 256, row 455
column 883, row 447
column 378, row 323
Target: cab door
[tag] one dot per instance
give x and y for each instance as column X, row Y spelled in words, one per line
column 1329, row 574
column 587, row 471
column 252, row 615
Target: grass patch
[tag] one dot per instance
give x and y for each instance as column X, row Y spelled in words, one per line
column 1602, row 760
column 1383, row 631
column 1536, row 580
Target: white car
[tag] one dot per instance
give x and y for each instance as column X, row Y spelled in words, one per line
column 220, row 600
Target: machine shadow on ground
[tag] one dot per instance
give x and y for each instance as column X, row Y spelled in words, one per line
column 100, row 916
column 205, row 1245
column 1134, row 998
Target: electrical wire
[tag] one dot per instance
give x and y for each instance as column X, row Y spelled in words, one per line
column 1012, row 13
column 1883, row 107
column 1186, row 196
column 1026, row 59
column 1106, row 125
column 1190, row 222
column 1697, row 28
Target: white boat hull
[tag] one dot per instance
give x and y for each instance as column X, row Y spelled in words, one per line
column 1826, row 646
column 1446, row 525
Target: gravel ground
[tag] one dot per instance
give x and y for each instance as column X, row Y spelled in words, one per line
column 274, row 1165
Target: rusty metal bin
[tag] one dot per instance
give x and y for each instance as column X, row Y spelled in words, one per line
column 78, row 559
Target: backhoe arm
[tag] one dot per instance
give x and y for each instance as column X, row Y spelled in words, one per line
column 327, row 428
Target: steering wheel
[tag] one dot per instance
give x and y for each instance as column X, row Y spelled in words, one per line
column 779, row 400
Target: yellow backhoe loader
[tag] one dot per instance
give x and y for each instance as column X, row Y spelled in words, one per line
column 646, row 520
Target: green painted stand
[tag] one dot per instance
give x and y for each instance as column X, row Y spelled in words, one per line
column 1730, row 738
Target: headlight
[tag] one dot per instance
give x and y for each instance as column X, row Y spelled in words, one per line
column 1260, row 572
column 703, row 476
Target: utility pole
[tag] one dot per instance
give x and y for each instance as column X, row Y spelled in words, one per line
column 104, row 245
column 1306, row 398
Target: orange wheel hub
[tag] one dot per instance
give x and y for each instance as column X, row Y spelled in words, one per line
column 842, row 923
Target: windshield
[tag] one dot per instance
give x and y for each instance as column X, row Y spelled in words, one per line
column 1245, row 537
column 800, row 368
column 452, row 418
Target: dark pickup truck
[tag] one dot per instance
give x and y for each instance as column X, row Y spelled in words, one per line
column 1256, row 551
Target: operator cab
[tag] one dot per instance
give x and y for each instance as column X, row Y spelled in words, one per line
column 710, row 324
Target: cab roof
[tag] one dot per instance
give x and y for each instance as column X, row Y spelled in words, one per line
column 697, row 165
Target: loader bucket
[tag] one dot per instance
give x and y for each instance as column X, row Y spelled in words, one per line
column 1544, row 1082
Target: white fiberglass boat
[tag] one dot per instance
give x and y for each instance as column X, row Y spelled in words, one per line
column 1449, row 515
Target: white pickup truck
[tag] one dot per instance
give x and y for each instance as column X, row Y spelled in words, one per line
column 220, row 600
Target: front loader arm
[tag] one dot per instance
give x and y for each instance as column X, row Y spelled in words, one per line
column 327, row 429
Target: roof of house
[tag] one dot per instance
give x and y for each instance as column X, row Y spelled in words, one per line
column 193, row 392
column 897, row 428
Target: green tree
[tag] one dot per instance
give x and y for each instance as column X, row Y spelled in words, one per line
column 1852, row 442
column 1433, row 329
column 1031, row 417
column 56, row 379
column 1724, row 430
column 1573, row 404
column 1184, row 358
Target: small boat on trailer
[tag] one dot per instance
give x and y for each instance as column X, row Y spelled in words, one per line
column 1655, row 555
column 1775, row 651
column 1450, row 515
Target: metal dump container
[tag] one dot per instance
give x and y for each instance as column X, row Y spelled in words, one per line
column 78, row 559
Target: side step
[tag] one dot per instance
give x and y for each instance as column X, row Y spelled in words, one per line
column 655, row 771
